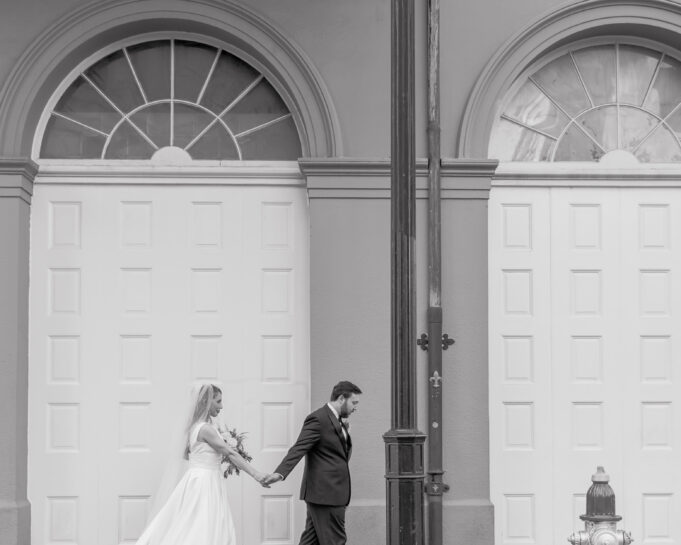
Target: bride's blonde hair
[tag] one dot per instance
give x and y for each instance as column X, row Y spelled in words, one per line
column 204, row 400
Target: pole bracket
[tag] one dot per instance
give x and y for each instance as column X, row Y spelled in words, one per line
column 435, row 488
column 446, row 341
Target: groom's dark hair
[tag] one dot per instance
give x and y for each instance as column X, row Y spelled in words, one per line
column 344, row 388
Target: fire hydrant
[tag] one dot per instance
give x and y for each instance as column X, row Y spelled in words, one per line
column 600, row 520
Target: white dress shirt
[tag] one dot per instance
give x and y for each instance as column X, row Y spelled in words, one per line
column 335, row 412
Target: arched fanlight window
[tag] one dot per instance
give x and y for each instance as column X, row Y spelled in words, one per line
column 591, row 101
column 171, row 95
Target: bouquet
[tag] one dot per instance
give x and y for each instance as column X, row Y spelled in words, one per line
column 235, row 440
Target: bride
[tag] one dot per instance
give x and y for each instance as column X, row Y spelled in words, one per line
column 197, row 511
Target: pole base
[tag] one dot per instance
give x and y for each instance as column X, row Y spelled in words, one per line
column 404, row 487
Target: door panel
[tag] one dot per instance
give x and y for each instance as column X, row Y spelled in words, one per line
column 586, row 355
column 520, row 403
column 583, row 345
column 135, row 292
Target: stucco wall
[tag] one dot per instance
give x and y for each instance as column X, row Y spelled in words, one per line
column 350, row 336
column 349, row 44
column 470, row 36
column 468, row 513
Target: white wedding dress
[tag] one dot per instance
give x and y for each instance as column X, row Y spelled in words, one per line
column 197, row 512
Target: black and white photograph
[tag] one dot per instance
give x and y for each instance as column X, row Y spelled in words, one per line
column 340, row 272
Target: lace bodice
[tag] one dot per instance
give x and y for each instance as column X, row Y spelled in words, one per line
column 201, row 454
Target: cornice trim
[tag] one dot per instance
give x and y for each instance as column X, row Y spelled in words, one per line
column 144, row 173
column 483, row 168
column 622, row 183
column 369, row 167
column 15, row 193
column 337, row 178
column 587, row 175
column 19, row 165
column 17, row 175
column 381, row 167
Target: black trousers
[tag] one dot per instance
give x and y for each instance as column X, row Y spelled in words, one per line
column 325, row 525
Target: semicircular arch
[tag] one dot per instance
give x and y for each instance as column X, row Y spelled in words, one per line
column 656, row 20
column 83, row 33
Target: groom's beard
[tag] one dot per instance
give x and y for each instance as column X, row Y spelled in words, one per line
column 344, row 411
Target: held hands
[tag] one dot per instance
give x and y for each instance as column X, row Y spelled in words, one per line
column 271, row 479
column 266, row 479
column 262, row 478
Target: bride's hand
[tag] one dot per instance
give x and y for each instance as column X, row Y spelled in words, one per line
column 261, row 478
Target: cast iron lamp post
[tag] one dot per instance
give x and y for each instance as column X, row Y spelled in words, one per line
column 403, row 442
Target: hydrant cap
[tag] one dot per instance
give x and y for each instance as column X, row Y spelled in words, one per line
column 600, row 476
column 600, row 499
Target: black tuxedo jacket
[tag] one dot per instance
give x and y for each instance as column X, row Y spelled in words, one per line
column 326, row 480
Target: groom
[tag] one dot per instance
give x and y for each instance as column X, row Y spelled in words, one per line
column 325, row 442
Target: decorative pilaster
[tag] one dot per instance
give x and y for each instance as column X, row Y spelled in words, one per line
column 16, row 188
column 468, row 514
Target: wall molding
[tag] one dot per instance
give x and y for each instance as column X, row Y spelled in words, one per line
column 88, row 29
column 577, row 174
column 338, row 178
column 17, row 175
column 246, row 173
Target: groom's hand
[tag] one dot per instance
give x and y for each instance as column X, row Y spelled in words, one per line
column 272, row 478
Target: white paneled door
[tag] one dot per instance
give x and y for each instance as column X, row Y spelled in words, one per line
column 136, row 290
column 585, row 325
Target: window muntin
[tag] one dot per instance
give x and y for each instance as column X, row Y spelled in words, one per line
column 593, row 100
column 173, row 94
